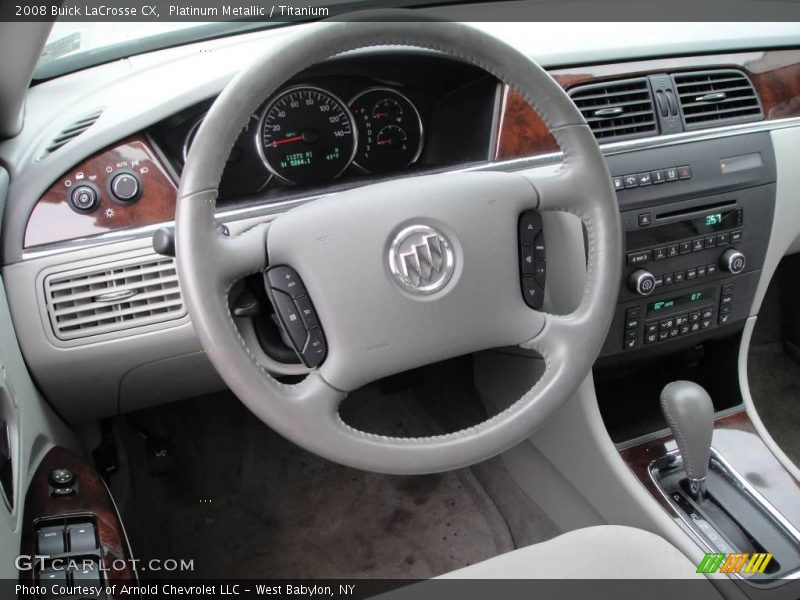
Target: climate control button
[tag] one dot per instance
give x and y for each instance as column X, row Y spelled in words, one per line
column 642, row 282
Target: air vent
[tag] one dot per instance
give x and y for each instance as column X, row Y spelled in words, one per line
column 713, row 98
column 72, row 131
column 127, row 294
column 617, row 110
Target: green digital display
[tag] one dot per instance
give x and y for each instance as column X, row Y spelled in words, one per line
column 670, row 303
column 713, row 219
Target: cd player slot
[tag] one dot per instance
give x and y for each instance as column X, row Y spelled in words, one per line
column 694, row 210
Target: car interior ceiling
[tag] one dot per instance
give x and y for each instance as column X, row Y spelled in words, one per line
column 231, row 406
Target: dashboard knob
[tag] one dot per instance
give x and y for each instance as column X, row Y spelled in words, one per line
column 642, row 282
column 84, row 198
column 732, row 261
column 125, row 187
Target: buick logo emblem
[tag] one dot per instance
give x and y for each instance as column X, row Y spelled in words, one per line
column 421, row 259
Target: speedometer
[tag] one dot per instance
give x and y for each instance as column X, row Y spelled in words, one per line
column 307, row 136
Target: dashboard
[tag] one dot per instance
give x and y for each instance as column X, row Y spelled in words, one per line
column 81, row 217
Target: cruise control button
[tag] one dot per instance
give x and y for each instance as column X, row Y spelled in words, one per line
column 315, row 349
column 286, row 280
column 307, row 312
column 290, row 318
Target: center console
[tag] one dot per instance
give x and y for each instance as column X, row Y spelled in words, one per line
column 696, row 219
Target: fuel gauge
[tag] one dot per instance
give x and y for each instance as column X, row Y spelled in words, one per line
column 390, row 130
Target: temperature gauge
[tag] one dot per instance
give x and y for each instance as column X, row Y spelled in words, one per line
column 389, row 130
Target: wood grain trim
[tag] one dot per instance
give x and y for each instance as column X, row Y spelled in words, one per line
column 736, row 439
column 93, row 497
column 775, row 75
column 52, row 219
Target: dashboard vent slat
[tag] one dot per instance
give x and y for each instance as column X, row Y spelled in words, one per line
column 70, row 132
column 113, row 297
column 617, row 110
column 714, row 98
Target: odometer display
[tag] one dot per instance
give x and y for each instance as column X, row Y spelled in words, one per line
column 307, row 136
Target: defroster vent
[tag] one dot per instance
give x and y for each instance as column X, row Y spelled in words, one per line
column 617, row 110
column 113, row 297
column 712, row 98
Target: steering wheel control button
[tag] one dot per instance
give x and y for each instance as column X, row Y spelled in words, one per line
column 84, row 198
column 125, row 187
column 533, row 255
column 315, row 350
column 532, row 292
column 295, row 314
column 286, row 280
column 530, row 224
column 421, row 259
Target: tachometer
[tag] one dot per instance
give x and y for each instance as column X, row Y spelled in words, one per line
column 389, row 130
column 307, row 135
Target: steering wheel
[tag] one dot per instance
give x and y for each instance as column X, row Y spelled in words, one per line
column 376, row 316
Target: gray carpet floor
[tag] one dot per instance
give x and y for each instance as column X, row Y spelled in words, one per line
column 247, row 503
column 775, row 386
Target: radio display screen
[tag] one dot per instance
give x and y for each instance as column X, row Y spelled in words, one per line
column 690, row 298
column 709, row 222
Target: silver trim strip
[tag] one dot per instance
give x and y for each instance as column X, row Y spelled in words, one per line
column 516, row 164
column 755, row 496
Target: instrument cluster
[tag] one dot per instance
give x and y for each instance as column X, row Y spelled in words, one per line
column 307, row 135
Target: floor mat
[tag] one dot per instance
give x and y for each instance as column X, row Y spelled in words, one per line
column 262, row 507
column 775, row 386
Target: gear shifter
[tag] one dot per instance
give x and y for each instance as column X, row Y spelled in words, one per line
column 690, row 414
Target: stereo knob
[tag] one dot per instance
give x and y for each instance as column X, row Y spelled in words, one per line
column 642, row 282
column 732, row 261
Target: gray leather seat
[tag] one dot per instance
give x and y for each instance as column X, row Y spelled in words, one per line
column 603, row 552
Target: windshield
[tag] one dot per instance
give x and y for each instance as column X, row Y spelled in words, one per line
column 72, row 46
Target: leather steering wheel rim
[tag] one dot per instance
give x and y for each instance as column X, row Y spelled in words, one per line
column 465, row 206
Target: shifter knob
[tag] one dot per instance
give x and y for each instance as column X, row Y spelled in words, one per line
column 690, row 414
